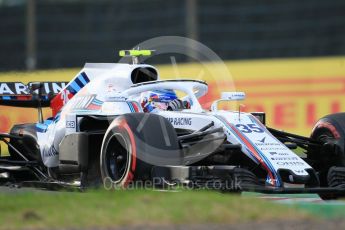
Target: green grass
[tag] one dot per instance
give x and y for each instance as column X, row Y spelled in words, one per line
column 140, row 207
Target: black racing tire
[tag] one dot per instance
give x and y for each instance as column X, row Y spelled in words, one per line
column 133, row 144
column 330, row 131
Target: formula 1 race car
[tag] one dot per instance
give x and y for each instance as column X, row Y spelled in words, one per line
column 116, row 124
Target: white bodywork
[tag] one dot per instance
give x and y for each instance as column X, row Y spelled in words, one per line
column 111, row 87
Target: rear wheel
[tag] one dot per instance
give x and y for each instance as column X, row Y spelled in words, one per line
column 133, row 144
column 117, row 158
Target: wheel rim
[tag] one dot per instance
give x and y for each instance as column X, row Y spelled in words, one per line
column 117, row 158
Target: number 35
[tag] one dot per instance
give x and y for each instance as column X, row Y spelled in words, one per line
column 249, row 128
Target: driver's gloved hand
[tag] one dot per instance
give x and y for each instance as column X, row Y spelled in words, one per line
column 175, row 104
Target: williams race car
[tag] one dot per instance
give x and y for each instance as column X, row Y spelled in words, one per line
column 116, row 124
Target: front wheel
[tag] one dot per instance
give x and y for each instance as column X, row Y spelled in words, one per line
column 330, row 158
column 133, row 144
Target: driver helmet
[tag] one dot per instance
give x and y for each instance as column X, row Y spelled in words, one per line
column 157, row 100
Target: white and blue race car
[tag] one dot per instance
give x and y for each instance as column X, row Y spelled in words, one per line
column 101, row 132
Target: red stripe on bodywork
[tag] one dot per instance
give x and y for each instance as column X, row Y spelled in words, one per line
column 94, row 107
column 135, row 106
column 253, row 150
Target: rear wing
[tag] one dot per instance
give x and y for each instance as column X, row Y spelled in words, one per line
column 32, row 95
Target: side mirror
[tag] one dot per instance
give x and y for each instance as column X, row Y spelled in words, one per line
column 233, row 96
column 228, row 96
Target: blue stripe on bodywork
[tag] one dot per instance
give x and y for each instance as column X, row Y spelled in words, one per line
column 79, row 83
column 85, row 77
column 97, row 102
column 57, row 117
column 71, row 90
column 75, row 86
column 131, row 107
column 81, row 79
column 48, row 121
column 41, row 128
column 268, row 163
